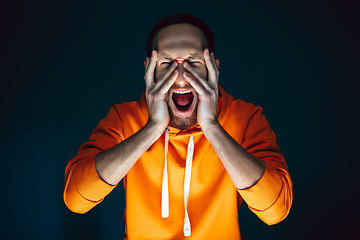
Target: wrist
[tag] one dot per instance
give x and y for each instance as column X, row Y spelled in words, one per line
column 210, row 125
column 155, row 128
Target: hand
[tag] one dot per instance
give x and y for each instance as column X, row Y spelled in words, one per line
column 156, row 91
column 207, row 90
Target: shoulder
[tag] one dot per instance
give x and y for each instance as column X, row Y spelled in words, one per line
column 236, row 107
column 127, row 108
column 130, row 114
column 242, row 108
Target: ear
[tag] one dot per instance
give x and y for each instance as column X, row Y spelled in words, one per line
column 217, row 63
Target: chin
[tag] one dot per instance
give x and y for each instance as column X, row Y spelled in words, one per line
column 183, row 123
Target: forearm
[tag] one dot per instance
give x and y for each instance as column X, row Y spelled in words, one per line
column 243, row 169
column 112, row 165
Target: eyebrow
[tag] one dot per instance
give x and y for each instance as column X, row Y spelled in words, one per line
column 192, row 56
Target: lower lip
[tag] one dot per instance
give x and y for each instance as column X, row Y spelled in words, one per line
column 186, row 113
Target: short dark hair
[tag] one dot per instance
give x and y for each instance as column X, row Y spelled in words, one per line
column 177, row 19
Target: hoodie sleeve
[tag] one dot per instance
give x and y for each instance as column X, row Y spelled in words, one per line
column 83, row 187
column 271, row 197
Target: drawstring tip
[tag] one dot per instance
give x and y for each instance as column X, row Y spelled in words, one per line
column 165, row 214
column 187, row 232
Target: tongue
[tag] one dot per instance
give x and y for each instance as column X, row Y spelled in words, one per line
column 182, row 99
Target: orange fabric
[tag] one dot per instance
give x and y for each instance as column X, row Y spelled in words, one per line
column 213, row 200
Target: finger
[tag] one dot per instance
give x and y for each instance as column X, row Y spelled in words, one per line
column 166, row 76
column 196, row 75
column 212, row 55
column 210, row 64
column 215, row 65
column 195, row 84
column 149, row 72
column 164, row 88
column 213, row 79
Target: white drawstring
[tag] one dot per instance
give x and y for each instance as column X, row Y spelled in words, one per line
column 188, row 167
column 165, row 186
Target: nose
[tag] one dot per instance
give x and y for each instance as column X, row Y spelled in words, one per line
column 180, row 79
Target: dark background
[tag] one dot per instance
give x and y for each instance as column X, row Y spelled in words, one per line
column 63, row 64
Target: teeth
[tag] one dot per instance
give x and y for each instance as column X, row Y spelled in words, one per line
column 182, row 92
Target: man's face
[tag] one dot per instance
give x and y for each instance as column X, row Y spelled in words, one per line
column 182, row 43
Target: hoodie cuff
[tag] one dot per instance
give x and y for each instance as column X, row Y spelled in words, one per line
column 88, row 182
column 265, row 192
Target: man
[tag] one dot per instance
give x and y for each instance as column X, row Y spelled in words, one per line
column 187, row 152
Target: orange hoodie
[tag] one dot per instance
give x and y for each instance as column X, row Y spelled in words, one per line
column 212, row 203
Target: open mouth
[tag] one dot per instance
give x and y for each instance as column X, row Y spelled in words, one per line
column 182, row 100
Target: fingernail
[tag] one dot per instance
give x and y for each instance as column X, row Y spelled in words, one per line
column 186, row 74
column 152, row 53
column 186, row 64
